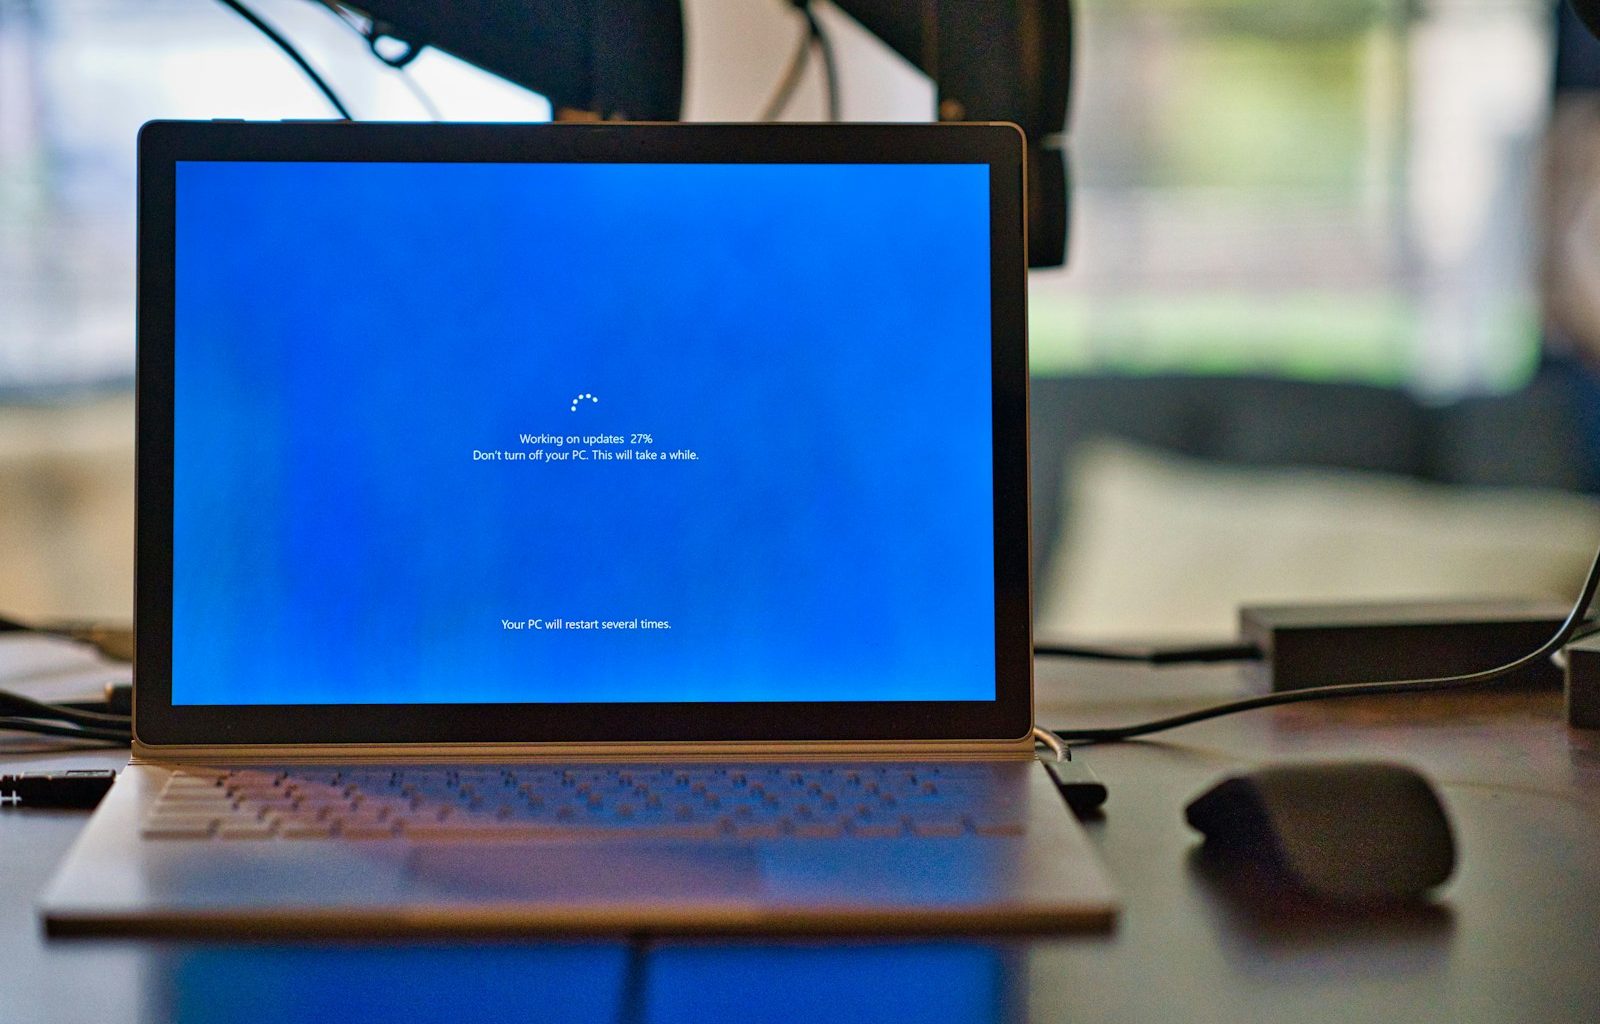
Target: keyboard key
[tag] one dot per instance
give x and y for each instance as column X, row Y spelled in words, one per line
column 998, row 828
column 877, row 829
column 818, row 829
column 368, row 830
column 453, row 829
column 155, row 829
column 246, row 829
column 555, row 802
column 938, row 826
column 305, row 830
column 758, row 830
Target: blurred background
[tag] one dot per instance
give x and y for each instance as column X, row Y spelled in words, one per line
column 1329, row 328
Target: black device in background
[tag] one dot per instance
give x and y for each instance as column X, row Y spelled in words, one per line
column 1320, row 645
column 990, row 60
column 1583, row 683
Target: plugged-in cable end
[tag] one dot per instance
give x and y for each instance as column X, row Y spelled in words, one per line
column 1051, row 740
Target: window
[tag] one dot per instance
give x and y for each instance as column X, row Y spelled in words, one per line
column 1331, row 190
column 78, row 77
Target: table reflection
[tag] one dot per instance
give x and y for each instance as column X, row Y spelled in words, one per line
column 687, row 981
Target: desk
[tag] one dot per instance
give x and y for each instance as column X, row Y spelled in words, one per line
column 1512, row 938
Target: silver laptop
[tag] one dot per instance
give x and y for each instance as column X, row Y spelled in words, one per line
column 581, row 529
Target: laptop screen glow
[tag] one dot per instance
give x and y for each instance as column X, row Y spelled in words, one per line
column 463, row 433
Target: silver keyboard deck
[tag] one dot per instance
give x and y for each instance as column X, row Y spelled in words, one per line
column 581, row 801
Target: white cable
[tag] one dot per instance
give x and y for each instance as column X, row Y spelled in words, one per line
column 1052, row 741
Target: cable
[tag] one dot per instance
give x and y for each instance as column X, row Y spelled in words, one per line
column 1192, row 655
column 1574, row 621
column 1560, row 657
column 92, row 721
column 120, row 737
column 344, row 14
column 288, row 48
column 24, row 714
column 419, row 93
column 368, row 30
column 830, row 69
column 812, row 35
column 790, row 80
column 118, row 700
column 17, row 746
column 14, row 704
column 1052, row 741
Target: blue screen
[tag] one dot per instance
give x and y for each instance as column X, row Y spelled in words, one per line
column 528, row 433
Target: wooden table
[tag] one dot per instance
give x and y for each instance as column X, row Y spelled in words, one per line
column 1514, row 936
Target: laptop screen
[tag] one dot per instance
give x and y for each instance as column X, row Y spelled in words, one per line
column 581, row 433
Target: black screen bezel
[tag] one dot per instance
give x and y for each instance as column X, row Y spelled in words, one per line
column 163, row 144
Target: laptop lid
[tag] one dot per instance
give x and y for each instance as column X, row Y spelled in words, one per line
column 481, row 434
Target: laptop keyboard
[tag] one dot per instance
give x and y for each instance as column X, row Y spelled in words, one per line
column 582, row 801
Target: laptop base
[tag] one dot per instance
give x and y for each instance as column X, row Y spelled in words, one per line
column 118, row 882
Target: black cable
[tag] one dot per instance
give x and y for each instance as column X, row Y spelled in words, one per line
column 13, row 626
column 24, row 714
column 830, row 70
column 1194, row 654
column 1574, row 621
column 790, row 80
column 813, row 35
column 288, row 48
column 418, row 93
column 120, row 736
column 102, row 706
column 1588, row 629
column 344, row 14
column 15, row 704
column 368, row 30
column 15, row 745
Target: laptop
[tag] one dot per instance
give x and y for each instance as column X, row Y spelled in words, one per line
column 581, row 529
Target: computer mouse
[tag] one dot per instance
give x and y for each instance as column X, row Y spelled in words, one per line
column 1349, row 832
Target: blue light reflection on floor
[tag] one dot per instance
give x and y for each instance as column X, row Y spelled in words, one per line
column 821, row 984
column 802, row 982
column 357, row 984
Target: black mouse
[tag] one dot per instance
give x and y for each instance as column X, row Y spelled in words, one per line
column 1351, row 832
